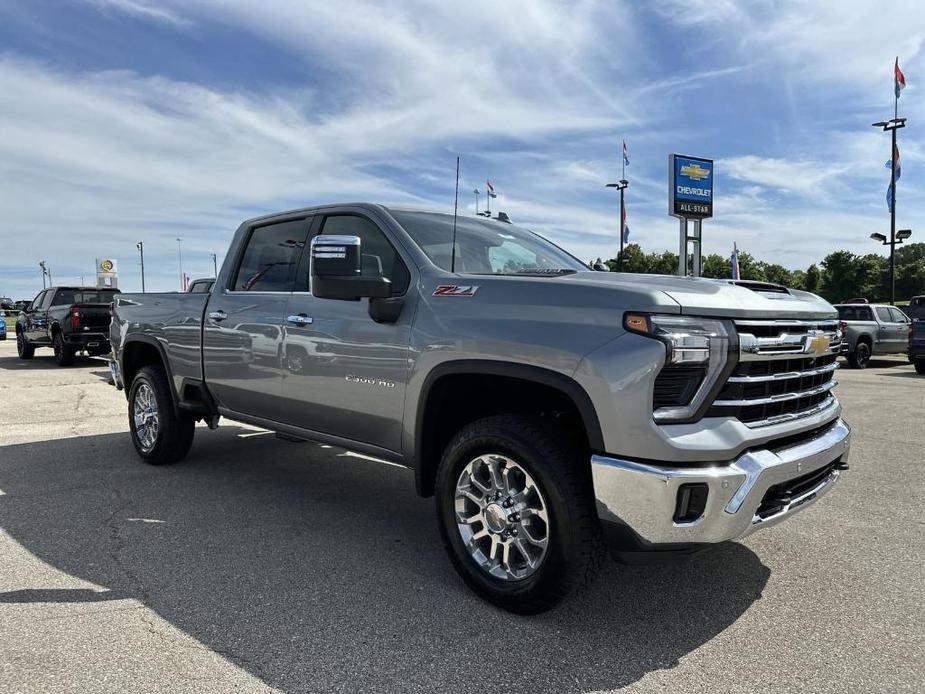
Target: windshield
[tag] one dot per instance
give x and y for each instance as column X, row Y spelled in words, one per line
column 84, row 296
column 484, row 246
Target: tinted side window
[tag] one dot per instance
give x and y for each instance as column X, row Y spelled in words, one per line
column 854, row 313
column 883, row 313
column 898, row 316
column 271, row 257
column 379, row 257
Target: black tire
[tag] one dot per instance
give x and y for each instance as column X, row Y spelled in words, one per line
column 175, row 429
column 23, row 348
column 574, row 551
column 860, row 357
column 920, row 366
column 64, row 353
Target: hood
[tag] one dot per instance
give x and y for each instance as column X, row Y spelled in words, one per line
column 721, row 298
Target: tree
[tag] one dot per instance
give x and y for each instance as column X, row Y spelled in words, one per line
column 812, row 279
column 715, row 266
column 839, row 276
column 777, row 274
column 750, row 269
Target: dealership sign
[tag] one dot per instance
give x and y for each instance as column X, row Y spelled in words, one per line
column 690, row 187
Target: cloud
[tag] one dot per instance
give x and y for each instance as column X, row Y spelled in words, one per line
column 140, row 9
column 104, row 146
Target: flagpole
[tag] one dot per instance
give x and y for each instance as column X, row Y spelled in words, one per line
column 476, row 191
column 622, row 221
column 893, row 221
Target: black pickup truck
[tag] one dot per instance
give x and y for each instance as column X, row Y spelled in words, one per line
column 67, row 319
column 917, row 345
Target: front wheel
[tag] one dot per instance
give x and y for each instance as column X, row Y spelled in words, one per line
column 516, row 512
column 161, row 434
column 23, row 348
column 859, row 358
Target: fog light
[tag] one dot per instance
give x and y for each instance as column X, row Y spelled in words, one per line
column 692, row 501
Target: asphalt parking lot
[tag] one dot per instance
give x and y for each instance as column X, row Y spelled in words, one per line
column 261, row 565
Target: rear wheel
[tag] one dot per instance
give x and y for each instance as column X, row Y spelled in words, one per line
column 160, row 433
column 23, row 348
column 859, row 358
column 920, row 366
column 516, row 512
column 64, row 353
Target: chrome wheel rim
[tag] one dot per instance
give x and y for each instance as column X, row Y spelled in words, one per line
column 144, row 414
column 502, row 517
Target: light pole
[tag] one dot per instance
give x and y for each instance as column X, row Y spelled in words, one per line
column 141, row 250
column 45, row 271
column 892, row 126
column 898, row 238
column 214, row 267
column 180, row 260
column 621, row 186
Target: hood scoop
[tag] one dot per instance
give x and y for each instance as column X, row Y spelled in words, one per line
column 773, row 291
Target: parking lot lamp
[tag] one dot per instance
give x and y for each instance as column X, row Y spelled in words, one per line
column 141, row 250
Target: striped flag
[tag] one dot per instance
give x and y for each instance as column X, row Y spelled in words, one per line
column 889, row 197
column 895, row 163
column 626, row 156
column 625, row 230
column 899, row 79
column 734, row 262
column 490, row 189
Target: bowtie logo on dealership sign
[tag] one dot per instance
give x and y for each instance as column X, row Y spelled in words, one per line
column 695, row 171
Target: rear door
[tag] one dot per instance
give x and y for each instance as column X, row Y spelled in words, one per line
column 888, row 332
column 345, row 374
column 242, row 329
column 902, row 332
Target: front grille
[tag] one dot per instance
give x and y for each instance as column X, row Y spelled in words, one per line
column 785, row 371
column 777, row 498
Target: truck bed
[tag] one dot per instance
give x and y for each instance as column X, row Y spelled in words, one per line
column 171, row 320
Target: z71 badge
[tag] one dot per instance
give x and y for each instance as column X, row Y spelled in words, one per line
column 456, row 290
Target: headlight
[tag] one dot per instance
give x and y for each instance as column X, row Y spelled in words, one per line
column 697, row 352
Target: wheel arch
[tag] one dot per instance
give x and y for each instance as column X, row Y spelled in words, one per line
column 138, row 352
column 446, row 404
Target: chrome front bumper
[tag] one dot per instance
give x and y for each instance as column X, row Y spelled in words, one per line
column 644, row 497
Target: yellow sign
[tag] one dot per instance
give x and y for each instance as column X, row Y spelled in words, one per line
column 106, row 265
column 694, row 172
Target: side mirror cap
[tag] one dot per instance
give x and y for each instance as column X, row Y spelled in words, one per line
column 337, row 270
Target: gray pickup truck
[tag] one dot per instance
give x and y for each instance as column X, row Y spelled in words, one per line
column 872, row 329
column 548, row 408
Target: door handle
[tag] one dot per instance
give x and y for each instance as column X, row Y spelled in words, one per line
column 300, row 319
column 218, row 315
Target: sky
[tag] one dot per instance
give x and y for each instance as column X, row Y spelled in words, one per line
column 148, row 120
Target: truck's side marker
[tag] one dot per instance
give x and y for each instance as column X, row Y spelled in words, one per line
column 456, row 290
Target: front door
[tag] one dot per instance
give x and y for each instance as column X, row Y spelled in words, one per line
column 345, row 374
column 36, row 323
column 243, row 335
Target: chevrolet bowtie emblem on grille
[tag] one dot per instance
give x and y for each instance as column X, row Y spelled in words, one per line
column 695, row 172
column 816, row 343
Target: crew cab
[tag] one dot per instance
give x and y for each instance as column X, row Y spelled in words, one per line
column 546, row 407
column 872, row 329
column 67, row 319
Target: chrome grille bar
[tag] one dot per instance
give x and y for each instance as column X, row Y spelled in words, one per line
column 784, row 375
column 825, row 387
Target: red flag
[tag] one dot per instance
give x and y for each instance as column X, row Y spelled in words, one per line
column 899, row 78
